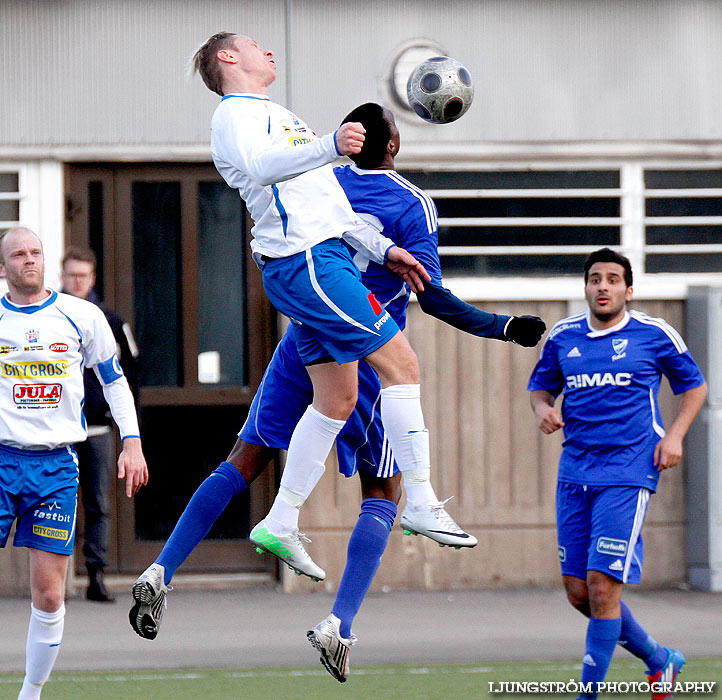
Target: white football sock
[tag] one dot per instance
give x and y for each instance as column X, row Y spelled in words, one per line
column 310, row 445
column 403, row 422
column 45, row 632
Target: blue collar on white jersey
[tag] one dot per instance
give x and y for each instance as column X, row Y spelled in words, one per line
column 30, row 308
column 606, row 331
column 249, row 96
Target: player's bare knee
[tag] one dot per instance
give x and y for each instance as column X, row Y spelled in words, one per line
column 48, row 598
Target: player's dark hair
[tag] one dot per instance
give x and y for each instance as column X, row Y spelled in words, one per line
column 609, row 256
column 377, row 137
column 81, row 254
column 206, row 64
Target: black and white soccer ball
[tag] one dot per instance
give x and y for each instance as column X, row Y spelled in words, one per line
column 439, row 90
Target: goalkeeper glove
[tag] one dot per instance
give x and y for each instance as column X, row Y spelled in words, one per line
column 524, row 330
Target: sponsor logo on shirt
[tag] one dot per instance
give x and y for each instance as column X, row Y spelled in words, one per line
column 620, row 348
column 299, row 140
column 35, row 370
column 563, row 327
column 562, row 553
column 58, row 347
column 48, row 394
column 7, row 349
column 582, row 381
column 574, row 352
column 608, row 545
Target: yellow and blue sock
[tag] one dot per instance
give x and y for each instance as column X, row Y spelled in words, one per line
column 365, row 549
column 208, row 502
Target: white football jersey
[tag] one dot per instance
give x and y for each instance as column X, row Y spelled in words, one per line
column 281, row 170
column 44, row 348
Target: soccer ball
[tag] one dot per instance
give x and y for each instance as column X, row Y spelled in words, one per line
column 439, row 90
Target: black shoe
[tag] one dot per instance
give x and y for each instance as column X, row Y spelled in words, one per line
column 96, row 586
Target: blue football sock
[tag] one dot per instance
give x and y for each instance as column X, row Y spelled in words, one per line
column 602, row 637
column 365, row 549
column 208, row 502
column 635, row 640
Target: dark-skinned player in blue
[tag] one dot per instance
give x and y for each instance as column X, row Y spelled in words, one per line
column 406, row 215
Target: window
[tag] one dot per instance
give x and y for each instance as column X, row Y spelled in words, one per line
column 9, row 197
column 542, row 220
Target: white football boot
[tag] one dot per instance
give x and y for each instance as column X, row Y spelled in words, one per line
column 288, row 548
column 436, row 524
column 149, row 593
column 327, row 640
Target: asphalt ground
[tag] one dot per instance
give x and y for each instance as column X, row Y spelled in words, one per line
column 262, row 627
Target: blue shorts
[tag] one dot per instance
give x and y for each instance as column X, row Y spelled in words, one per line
column 320, row 290
column 286, row 392
column 39, row 489
column 599, row 528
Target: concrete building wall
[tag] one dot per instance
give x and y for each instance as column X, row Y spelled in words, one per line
column 93, row 73
column 501, row 470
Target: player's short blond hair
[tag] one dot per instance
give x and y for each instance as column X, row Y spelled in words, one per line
column 205, row 60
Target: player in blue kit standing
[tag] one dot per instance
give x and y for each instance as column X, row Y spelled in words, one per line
column 46, row 339
column 608, row 363
column 392, row 204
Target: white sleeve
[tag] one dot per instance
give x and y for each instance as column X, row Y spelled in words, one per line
column 99, row 350
column 368, row 240
column 122, row 407
column 246, row 145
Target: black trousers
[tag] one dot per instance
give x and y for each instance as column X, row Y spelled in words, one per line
column 96, row 458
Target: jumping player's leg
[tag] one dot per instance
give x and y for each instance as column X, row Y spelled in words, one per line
column 403, row 423
column 332, row 637
column 245, row 462
column 45, row 631
column 334, row 397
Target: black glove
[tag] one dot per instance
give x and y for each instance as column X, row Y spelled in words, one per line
column 525, row 330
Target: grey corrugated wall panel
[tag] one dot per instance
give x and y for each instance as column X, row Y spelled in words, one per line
column 108, row 72
column 98, row 73
column 543, row 70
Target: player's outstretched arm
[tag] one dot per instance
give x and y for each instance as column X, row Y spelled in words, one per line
column 132, row 466
column 407, row 267
column 548, row 419
column 439, row 302
column 669, row 449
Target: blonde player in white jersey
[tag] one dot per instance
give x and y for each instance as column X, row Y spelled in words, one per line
column 46, row 339
column 283, row 172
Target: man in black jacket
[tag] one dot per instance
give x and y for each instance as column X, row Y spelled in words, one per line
column 96, row 455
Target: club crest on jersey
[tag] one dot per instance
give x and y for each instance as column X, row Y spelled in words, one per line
column 31, row 336
column 620, row 348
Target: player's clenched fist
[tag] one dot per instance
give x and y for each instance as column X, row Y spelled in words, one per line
column 350, row 138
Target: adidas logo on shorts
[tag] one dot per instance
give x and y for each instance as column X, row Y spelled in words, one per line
column 617, row 566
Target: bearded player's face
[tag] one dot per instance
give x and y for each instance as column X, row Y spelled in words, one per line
column 606, row 291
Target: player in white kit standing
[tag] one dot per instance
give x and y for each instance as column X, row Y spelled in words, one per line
column 46, row 339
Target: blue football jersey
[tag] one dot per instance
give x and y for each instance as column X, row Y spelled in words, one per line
column 406, row 215
column 610, row 381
